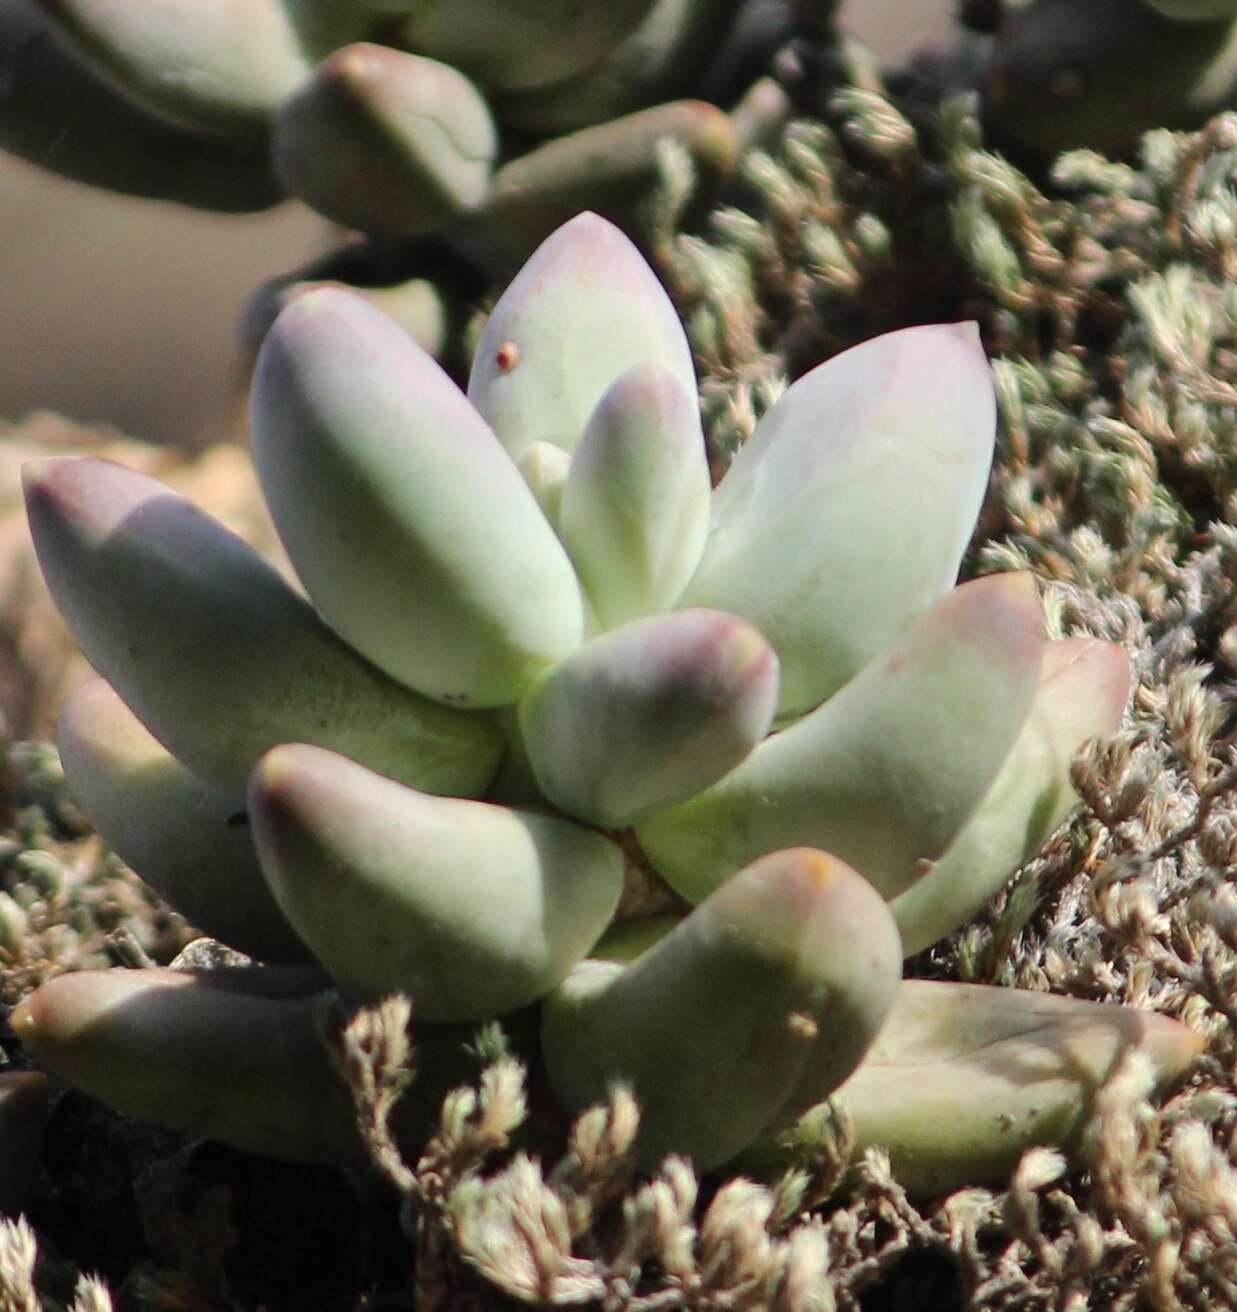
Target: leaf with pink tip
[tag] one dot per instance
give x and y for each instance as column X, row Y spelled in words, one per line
column 385, row 141
column 886, row 772
column 407, row 522
column 848, row 510
column 649, row 714
column 188, row 840
column 635, row 507
column 1084, row 685
column 213, row 651
column 584, row 309
column 472, row 909
column 780, row 980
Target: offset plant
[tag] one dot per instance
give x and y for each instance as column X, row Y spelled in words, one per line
column 482, row 122
column 1099, row 73
column 545, row 669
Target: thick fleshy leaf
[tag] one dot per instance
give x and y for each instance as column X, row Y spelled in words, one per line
column 612, row 167
column 23, row 1113
column 1084, row 684
column 545, row 468
column 582, row 311
column 963, row 1078
column 213, row 651
column 888, row 771
column 514, row 46
column 635, row 506
column 1098, row 75
column 1195, row 10
column 188, row 840
column 235, row 1055
column 473, row 909
column 406, row 520
column 386, row 142
column 782, row 978
column 215, row 64
column 712, row 47
column 649, row 714
column 848, row 510
column 61, row 115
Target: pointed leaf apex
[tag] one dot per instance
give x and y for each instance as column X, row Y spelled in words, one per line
column 1171, row 1046
column 1007, row 604
column 283, row 779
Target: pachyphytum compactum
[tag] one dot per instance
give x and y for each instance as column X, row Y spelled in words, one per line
column 458, row 135
column 541, row 657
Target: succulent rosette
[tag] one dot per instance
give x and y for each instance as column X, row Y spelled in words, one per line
column 539, row 659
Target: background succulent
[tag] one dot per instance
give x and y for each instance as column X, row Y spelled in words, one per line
column 1100, row 73
column 518, row 704
column 480, row 123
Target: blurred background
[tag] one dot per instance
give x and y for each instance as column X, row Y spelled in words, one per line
column 124, row 311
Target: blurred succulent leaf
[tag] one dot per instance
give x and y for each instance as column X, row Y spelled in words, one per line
column 386, row 142
column 582, row 311
column 473, row 909
column 23, row 1114
column 213, row 651
column 849, row 508
column 354, row 426
column 635, row 505
column 1195, row 10
column 963, row 1078
column 649, row 714
column 681, row 45
column 512, row 46
column 611, row 167
column 186, row 839
column 782, row 976
column 1063, row 75
column 887, row 772
column 1084, row 684
column 232, row 1054
column 406, row 281
column 221, row 65
column 58, row 113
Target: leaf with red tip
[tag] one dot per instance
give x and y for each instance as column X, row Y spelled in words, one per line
column 886, row 772
column 385, row 141
column 649, row 714
column 779, row 981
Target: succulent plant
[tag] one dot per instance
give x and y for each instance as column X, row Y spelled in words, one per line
column 546, row 672
column 1100, row 73
column 481, row 122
